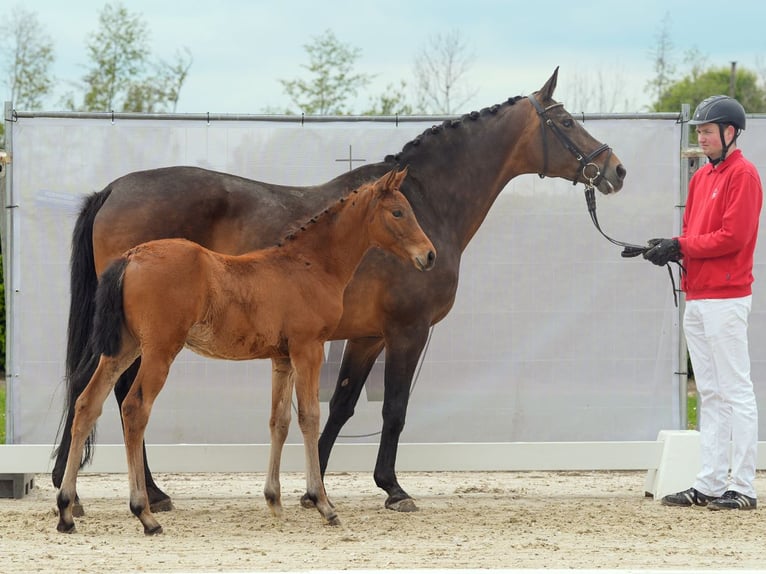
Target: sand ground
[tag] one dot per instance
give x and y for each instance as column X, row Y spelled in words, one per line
column 519, row 520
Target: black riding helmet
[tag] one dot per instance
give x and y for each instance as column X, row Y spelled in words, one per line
column 724, row 111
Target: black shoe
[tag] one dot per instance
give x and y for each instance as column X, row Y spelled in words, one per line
column 733, row 500
column 688, row 497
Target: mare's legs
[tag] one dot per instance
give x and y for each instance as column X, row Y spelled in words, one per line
column 402, row 354
column 358, row 360
column 307, row 362
column 159, row 501
column 403, row 350
column 86, row 411
column 136, row 409
column 279, row 425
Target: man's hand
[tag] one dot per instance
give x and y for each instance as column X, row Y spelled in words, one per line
column 662, row 251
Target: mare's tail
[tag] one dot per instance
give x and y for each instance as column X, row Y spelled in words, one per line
column 80, row 359
column 106, row 338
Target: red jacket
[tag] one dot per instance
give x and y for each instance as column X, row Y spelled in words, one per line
column 720, row 229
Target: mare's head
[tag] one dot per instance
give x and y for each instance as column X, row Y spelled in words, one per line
column 393, row 225
column 564, row 148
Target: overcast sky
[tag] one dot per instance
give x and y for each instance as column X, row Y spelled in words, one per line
column 241, row 48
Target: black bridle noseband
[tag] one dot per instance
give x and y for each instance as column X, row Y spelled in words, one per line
column 591, row 181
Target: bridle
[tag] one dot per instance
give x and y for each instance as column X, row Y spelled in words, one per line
column 587, row 165
column 585, row 160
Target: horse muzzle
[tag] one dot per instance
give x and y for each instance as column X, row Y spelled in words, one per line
column 425, row 262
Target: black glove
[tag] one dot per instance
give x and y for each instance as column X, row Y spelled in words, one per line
column 634, row 250
column 662, row 251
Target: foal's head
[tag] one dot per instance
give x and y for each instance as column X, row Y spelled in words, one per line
column 393, row 225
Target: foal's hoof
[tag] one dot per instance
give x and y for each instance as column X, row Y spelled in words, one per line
column 333, row 520
column 403, row 505
column 307, row 501
column 164, row 505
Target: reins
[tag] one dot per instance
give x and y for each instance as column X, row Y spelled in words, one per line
column 629, row 249
column 586, row 164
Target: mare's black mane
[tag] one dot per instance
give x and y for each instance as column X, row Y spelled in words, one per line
column 453, row 123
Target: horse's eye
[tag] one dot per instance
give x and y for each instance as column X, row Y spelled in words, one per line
column 397, row 213
column 568, row 123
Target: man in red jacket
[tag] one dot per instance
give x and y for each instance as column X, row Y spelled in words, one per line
column 720, row 228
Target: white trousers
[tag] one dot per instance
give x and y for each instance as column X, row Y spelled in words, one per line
column 716, row 335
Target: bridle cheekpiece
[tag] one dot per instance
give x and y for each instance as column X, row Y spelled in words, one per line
column 585, row 160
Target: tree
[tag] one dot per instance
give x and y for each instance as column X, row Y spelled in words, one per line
column 28, row 54
column 121, row 75
column 332, row 82
column 662, row 56
column 596, row 91
column 391, row 102
column 118, row 51
column 441, row 70
column 163, row 86
column 699, row 84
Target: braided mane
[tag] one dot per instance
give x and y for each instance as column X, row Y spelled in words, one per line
column 447, row 124
column 298, row 229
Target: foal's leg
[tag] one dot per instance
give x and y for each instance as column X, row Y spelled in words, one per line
column 279, row 425
column 159, row 501
column 358, row 360
column 86, row 411
column 136, row 409
column 307, row 362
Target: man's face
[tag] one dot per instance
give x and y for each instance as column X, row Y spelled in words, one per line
column 709, row 138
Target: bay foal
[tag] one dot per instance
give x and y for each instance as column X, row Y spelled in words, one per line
column 281, row 303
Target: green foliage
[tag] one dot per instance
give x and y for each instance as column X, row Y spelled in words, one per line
column 118, row 52
column 391, row 102
column 28, row 55
column 2, row 412
column 699, row 84
column 691, row 411
column 2, row 317
column 122, row 76
column 332, row 81
column 2, row 357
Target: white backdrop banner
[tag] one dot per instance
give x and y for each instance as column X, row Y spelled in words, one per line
column 553, row 335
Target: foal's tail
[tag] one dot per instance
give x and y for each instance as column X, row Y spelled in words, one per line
column 106, row 338
column 80, row 360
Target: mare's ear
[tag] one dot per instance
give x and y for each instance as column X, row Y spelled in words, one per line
column 547, row 90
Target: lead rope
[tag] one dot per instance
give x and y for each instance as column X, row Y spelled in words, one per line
column 629, row 249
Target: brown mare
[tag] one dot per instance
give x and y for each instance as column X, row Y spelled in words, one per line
column 281, row 303
column 456, row 170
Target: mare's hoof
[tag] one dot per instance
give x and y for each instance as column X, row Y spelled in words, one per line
column 77, row 510
column 404, row 505
column 164, row 505
column 65, row 528
column 333, row 521
column 153, row 531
